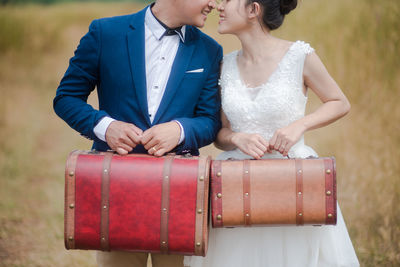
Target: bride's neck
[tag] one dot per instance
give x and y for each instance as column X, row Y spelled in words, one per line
column 256, row 44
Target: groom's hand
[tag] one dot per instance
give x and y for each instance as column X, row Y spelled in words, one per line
column 122, row 137
column 161, row 138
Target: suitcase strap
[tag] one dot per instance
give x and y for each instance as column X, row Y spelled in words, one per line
column 105, row 201
column 201, row 214
column 217, row 193
column 330, row 193
column 165, row 203
column 246, row 192
column 299, row 192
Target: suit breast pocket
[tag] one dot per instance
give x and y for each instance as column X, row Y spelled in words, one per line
column 194, row 75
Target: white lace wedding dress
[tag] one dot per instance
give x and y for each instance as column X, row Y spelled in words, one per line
column 263, row 110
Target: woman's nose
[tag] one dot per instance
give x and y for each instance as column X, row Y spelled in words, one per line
column 220, row 7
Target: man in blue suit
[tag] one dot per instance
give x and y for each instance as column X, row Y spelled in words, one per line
column 156, row 79
column 156, row 76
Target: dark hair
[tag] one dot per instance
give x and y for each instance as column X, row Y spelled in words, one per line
column 274, row 11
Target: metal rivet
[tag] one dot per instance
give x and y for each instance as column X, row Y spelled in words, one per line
column 164, row 209
column 300, row 214
column 299, row 193
column 328, row 171
column 70, row 238
column 166, row 176
column 198, row 244
column 219, row 217
column 199, row 211
column 246, row 172
column 328, row 193
column 330, row 215
column 219, row 195
column 104, row 207
column 105, row 170
column 164, row 242
column 71, row 206
column 247, row 215
column 247, row 194
column 71, row 173
column 218, row 173
column 202, row 178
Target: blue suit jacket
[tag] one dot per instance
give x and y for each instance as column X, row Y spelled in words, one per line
column 111, row 57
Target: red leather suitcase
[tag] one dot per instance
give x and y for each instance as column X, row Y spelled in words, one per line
column 136, row 203
column 273, row 192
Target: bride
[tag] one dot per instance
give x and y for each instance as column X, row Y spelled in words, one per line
column 264, row 94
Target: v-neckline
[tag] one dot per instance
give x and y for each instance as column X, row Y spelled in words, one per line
column 270, row 76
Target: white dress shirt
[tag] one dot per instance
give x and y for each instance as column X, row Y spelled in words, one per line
column 160, row 52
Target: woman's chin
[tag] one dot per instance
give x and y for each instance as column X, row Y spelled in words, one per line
column 222, row 30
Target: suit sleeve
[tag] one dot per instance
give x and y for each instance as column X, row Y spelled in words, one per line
column 201, row 130
column 78, row 82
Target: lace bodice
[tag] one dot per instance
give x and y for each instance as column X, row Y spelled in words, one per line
column 273, row 105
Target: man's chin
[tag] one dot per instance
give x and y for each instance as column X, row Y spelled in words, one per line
column 200, row 22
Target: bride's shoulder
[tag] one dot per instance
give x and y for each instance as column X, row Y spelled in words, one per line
column 303, row 47
column 229, row 56
column 228, row 61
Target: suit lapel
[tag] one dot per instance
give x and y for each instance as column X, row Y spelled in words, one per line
column 136, row 51
column 179, row 67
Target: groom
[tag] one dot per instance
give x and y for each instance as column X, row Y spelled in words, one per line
column 156, row 77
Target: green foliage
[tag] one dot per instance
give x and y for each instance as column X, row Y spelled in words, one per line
column 13, row 31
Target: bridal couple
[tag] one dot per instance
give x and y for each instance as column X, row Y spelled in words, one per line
column 158, row 79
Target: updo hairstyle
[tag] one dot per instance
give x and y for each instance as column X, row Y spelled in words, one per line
column 274, row 11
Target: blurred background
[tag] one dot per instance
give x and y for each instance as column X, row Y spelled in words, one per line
column 359, row 42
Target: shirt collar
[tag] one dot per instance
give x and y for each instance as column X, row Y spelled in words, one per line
column 156, row 28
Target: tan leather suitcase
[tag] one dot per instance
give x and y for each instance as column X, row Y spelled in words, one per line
column 273, row 192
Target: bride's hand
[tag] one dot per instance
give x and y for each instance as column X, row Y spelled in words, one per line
column 284, row 138
column 251, row 144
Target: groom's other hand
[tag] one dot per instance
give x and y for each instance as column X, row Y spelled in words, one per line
column 161, row 138
column 123, row 137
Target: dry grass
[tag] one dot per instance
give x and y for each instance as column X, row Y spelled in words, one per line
column 359, row 42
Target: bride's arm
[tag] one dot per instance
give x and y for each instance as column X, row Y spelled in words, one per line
column 335, row 105
column 250, row 144
column 224, row 136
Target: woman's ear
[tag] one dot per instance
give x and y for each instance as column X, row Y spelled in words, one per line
column 254, row 10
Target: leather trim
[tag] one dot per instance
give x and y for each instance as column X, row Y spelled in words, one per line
column 299, row 192
column 165, row 195
column 246, row 193
column 206, row 218
column 69, row 211
column 334, row 191
column 201, row 223
column 105, row 202
column 330, row 185
column 216, row 182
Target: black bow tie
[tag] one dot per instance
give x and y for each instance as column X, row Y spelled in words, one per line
column 169, row 31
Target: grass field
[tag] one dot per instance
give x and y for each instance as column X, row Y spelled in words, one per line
column 359, row 41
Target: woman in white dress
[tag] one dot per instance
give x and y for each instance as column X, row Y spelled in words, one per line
column 264, row 94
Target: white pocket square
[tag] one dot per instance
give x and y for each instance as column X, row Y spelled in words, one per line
column 195, row 71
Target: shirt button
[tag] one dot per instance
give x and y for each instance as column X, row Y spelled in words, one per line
column 162, row 58
column 155, row 87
